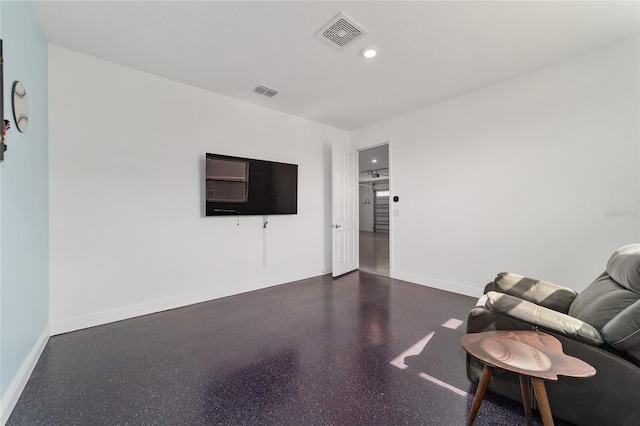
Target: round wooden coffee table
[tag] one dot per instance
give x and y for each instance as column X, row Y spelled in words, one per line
column 533, row 355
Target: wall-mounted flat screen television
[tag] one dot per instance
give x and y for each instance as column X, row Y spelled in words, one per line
column 245, row 186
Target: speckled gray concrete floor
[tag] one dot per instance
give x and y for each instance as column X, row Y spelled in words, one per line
column 313, row 352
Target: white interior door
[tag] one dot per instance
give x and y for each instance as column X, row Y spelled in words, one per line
column 344, row 208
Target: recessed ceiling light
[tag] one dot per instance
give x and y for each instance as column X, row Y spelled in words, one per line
column 374, row 161
column 369, row 52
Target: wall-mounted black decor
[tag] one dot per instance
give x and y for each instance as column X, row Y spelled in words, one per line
column 3, row 147
column 20, row 106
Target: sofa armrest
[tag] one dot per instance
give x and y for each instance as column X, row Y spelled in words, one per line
column 545, row 318
column 543, row 293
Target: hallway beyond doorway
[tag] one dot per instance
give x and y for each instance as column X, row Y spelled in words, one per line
column 374, row 252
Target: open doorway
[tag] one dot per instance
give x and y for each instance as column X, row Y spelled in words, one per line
column 374, row 209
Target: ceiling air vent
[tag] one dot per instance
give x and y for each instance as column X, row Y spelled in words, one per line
column 340, row 32
column 264, row 90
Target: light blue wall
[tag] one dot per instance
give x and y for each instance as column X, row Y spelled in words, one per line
column 24, row 194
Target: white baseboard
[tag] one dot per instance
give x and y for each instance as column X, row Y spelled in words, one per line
column 10, row 397
column 105, row 317
column 439, row 284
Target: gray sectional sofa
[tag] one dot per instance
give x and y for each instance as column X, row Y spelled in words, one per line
column 601, row 326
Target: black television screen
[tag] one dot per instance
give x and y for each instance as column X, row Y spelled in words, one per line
column 245, row 186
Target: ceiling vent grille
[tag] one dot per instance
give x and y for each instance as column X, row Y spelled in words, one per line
column 264, row 90
column 340, row 32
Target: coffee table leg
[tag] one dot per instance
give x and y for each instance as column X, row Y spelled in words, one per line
column 482, row 389
column 526, row 397
column 543, row 402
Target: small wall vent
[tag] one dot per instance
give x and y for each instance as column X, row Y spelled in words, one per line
column 264, row 90
column 341, row 32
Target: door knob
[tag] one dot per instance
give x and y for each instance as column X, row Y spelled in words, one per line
column 337, row 226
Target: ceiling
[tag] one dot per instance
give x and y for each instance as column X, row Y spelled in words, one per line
column 381, row 156
column 428, row 51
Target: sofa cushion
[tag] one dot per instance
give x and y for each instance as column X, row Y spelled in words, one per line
column 624, row 267
column 540, row 292
column 602, row 300
column 545, row 318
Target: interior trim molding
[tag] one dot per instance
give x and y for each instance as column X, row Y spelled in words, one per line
column 119, row 314
column 11, row 396
column 439, row 284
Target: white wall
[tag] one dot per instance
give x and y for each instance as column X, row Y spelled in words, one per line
column 128, row 235
column 366, row 209
column 521, row 176
column 24, row 216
